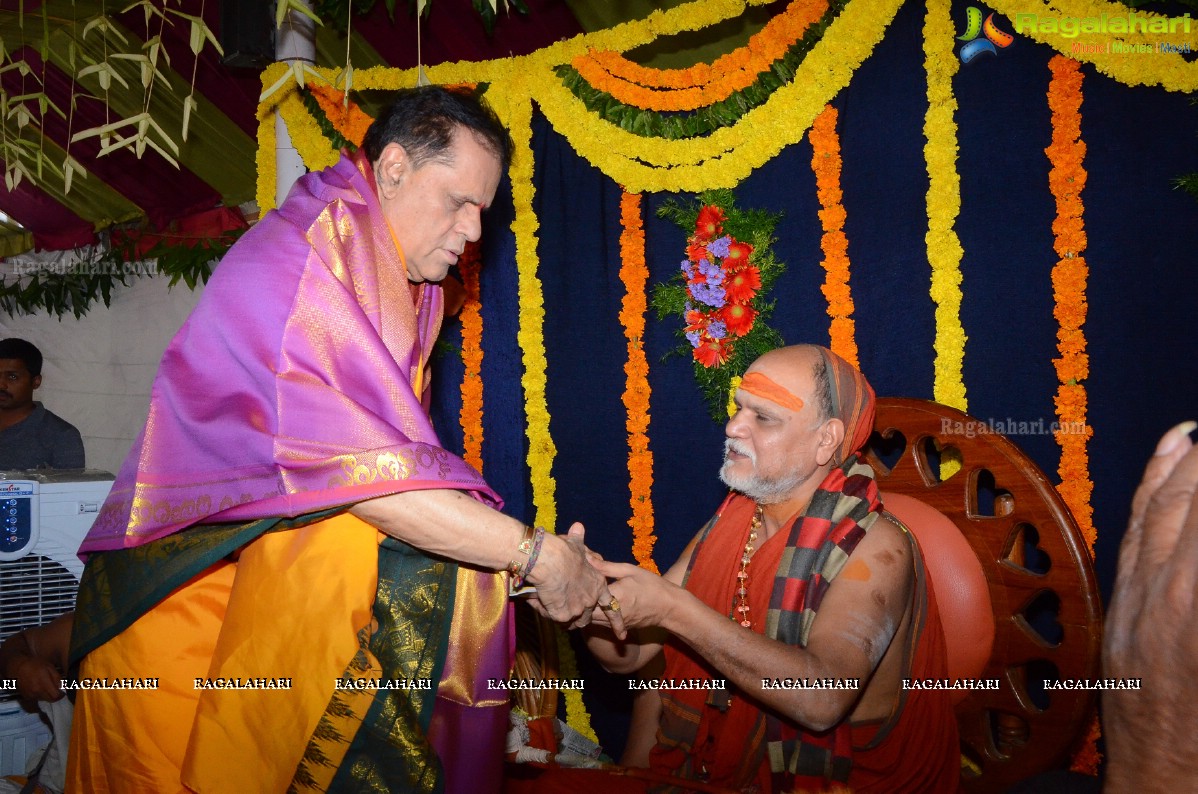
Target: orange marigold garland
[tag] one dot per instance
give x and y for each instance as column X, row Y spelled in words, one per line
column 1066, row 180
column 345, row 116
column 825, row 162
column 471, row 316
column 702, row 84
column 635, row 275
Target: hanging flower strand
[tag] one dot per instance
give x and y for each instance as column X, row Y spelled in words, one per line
column 1066, row 180
column 720, row 291
column 635, row 275
column 826, row 163
column 471, row 416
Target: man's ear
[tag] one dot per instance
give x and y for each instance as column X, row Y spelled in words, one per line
column 390, row 169
column 36, row 381
column 830, row 436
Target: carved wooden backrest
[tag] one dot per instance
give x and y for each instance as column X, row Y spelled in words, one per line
column 1048, row 613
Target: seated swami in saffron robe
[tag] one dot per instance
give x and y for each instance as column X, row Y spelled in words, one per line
column 295, row 645
column 800, row 577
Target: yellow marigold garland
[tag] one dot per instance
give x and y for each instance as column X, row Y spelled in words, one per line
column 1066, row 180
column 635, row 275
column 702, row 84
column 267, row 161
column 944, row 204
column 730, row 154
column 314, row 149
column 825, row 162
column 531, row 339
column 471, row 415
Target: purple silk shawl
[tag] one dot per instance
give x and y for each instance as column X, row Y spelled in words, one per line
column 296, row 383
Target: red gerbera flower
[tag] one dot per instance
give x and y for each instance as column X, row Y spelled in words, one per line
column 738, row 255
column 709, row 223
column 697, row 321
column 695, row 250
column 742, row 285
column 738, row 318
column 712, row 352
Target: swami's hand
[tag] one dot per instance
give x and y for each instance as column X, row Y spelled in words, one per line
column 569, row 588
column 645, row 598
column 1150, row 628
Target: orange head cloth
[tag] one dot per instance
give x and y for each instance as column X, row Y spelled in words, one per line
column 760, row 385
column 852, row 402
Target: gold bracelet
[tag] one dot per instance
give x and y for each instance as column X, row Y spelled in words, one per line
column 518, row 567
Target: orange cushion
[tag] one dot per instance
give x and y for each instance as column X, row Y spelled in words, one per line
column 959, row 583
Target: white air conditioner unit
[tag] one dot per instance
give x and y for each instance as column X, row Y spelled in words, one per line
column 44, row 516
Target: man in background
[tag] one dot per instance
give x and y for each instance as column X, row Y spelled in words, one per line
column 30, row 436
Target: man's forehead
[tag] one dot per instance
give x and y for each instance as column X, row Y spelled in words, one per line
column 13, row 365
column 789, row 369
column 757, row 391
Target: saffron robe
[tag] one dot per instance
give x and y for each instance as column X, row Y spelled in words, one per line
column 915, row 750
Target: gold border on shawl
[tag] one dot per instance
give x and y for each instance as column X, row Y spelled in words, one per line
column 480, row 606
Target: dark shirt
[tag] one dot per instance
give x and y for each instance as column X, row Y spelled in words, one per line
column 41, row 440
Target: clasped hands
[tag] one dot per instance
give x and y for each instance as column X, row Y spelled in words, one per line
column 569, row 588
column 573, row 589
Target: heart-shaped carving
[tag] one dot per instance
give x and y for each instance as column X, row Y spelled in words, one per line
column 885, row 450
column 986, row 498
column 1022, row 550
column 1039, row 619
column 938, row 461
column 1027, row 680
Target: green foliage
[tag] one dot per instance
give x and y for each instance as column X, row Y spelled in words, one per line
column 675, row 126
column 74, row 289
column 1188, row 183
column 755, row 227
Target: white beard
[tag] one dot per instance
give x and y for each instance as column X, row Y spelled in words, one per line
column 759, row 489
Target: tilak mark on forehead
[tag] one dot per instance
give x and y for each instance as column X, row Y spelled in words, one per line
column 762, row 386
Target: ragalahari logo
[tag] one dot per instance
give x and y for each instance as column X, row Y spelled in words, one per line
column 993, row 37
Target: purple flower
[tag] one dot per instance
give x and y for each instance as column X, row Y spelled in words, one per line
column 717, row 330
column 713, row 272
column 710, row 294
column 720, row 247
column 688, row 269
column 693, row 337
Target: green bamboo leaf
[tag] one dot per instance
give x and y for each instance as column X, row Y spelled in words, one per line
column 150, row 142
column 106, row 26
column 282, row 81
column 189, row 104
column 21, row 66
column 70, row 167
column 148, row 9
column 196, row 42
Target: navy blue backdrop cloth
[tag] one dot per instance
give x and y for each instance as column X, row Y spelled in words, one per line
column 1143, row 235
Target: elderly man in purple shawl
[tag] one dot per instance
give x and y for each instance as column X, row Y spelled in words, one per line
column 288, row 520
